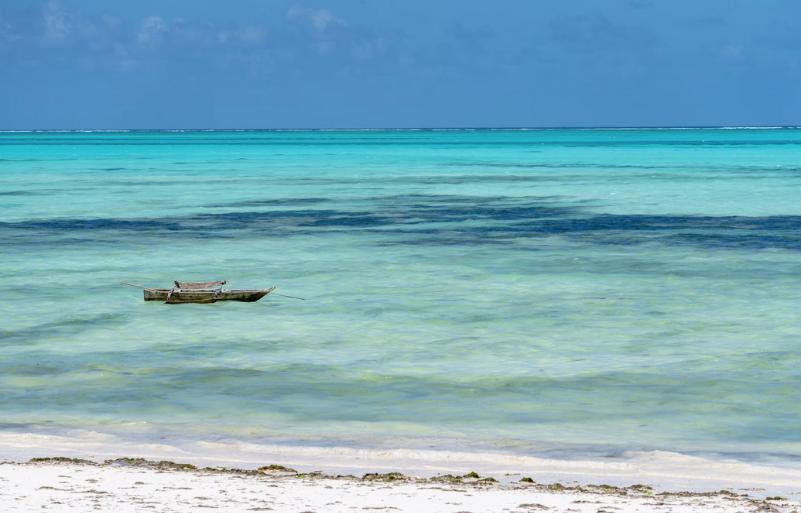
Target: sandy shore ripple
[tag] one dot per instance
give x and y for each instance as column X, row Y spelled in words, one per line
column 134, row 485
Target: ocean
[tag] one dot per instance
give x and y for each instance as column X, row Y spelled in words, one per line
column 570, row 293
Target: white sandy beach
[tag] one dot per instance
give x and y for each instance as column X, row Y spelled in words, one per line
column 123, row 487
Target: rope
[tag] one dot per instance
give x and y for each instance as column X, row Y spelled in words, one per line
column 290, row 297
column 136, row 286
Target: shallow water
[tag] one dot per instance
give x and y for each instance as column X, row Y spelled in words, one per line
column 571, row 292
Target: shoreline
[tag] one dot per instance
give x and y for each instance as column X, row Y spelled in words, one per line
column 132, row 484
column 659, row 470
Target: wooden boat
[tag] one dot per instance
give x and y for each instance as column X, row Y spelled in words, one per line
column 203, row 296
column 203, row 292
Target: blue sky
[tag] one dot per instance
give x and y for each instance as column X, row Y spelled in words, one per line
column 392, row 63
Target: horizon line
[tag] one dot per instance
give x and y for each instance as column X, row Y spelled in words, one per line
column 422, row 128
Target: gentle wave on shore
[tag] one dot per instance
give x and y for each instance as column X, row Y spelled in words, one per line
column 664, row 471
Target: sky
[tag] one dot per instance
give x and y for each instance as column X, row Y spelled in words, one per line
column 71, row 64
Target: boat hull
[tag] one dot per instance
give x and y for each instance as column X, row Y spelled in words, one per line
column 204, row 296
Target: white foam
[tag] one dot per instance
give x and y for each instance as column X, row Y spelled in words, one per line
column 663, row 470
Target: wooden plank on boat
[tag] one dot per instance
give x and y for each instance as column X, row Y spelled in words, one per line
column 199, row 285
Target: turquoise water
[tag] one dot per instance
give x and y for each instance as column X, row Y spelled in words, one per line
column 567, row 291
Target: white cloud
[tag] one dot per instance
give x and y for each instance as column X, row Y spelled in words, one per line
column 251, row 35
column 57, row 26
column 122, row 60
column 732, row 53
column 318, row 19
column 367, row 49
column 110, row 22
column 151, row 31
column 61, row 26
column 244, row 35
column 7, row 34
